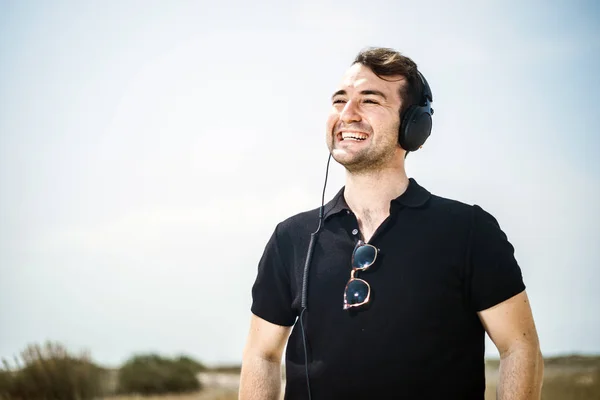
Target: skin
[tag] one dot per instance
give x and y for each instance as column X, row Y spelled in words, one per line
column 511, row 327
column 368, row 107
column 260, row 377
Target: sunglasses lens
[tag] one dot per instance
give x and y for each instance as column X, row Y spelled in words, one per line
column 363, row 257
column 357, row 291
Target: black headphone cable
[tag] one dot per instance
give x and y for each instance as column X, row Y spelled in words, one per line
column 311, row 245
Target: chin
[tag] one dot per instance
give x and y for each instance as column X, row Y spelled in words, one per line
column 340, row 155
column 344, row 158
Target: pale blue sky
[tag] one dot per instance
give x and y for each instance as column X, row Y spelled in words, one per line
column 136, row 135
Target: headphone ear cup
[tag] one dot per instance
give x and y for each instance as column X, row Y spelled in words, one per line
column 405, row 127
column 415, row 128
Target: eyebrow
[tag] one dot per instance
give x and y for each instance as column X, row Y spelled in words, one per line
column 363, row 92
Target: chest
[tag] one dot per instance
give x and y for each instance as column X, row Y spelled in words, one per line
column 369, row 223
column 417, row 272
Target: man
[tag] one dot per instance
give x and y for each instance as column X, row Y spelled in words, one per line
column 405, row 315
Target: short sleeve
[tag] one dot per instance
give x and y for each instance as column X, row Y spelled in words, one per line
column 494, row 274
column 271, row 293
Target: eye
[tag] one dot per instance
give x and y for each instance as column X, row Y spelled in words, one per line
column 339, row 101
column 370, row 101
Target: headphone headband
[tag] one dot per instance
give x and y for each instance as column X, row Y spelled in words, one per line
column 426, row 92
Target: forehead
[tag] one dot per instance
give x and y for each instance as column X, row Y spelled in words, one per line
column 359, row 77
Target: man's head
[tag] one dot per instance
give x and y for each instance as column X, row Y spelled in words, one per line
column 362, row 128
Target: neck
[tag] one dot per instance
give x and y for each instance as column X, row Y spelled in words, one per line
column 372, row 191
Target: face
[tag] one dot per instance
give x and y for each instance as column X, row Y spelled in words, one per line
column 362, row 127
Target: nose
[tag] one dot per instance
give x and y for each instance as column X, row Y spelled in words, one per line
column 350, row 113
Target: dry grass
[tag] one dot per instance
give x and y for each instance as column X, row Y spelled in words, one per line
column 50, row 371
column 207, row 394
column 565, row 378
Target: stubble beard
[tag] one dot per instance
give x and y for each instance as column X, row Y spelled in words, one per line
column 367, row 160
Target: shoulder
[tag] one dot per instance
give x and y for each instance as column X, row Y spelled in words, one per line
column 448, row 205
column 454, row 207
column 429, row 203
column 297, row 227
column 449, row 210
column 452, row 212
column 308, row 219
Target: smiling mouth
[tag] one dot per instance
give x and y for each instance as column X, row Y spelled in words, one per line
column 354, row 136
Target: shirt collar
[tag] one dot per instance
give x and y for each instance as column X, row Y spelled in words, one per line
column 414, row 196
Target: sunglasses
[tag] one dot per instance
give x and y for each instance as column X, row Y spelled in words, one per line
column 358, row 291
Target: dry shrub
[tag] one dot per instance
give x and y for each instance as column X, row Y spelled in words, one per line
column 5, row 382
column 153, row 374
column 50, row 372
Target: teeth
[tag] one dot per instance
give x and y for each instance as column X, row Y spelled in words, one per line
column 353, row 136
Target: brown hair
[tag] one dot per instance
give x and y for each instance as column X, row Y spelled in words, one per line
column 385, row 62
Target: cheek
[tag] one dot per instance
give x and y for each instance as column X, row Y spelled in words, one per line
column 388, row 121
column 332, row 120
column 386, row 129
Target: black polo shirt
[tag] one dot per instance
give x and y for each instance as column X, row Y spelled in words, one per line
column 439, row 262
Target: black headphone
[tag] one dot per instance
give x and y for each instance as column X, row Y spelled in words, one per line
column 416, row 122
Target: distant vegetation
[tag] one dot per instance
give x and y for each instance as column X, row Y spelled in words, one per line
column 229, row 369
column 50, row 372
column 574, row 360
column 153, row 374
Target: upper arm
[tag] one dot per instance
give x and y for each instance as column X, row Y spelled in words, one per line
column 272, row 292
column 496, row 288
column 510, row 324
column 272, row 313
column 493, row 273
column 266, row 340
